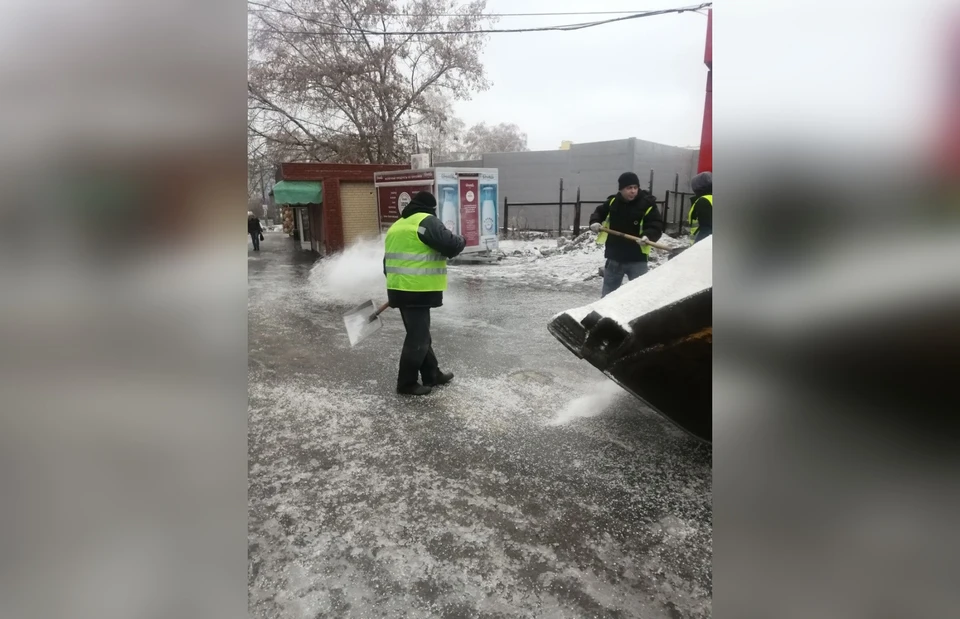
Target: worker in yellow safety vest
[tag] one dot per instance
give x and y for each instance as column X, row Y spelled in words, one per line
column 415, row 264
column 700, row 215
column 632, row 211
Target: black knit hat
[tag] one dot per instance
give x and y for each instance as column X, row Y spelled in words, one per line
column 425, row 198
column 628, row 178
column 702, row 184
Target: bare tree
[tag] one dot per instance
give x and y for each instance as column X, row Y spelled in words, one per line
column 259, row 168
column 263, row 158
column 441, row 132
column 502, row 138
column 322, row 83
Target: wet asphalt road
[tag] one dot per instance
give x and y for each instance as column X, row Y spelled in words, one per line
column 470, row 502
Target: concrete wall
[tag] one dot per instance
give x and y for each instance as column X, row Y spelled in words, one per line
column 668, row 159
column 468, row 163
column 360, row 218
column 534, row 176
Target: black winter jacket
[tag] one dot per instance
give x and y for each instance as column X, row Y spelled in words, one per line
column 253, row 226
column 435, row 236
column 625, row 217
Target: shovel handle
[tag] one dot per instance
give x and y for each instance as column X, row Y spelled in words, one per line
column 637, row 238
column 380, row 310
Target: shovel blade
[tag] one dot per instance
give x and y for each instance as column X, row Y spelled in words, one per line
column 361, row 323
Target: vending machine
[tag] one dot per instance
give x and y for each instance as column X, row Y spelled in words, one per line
column 467, row 201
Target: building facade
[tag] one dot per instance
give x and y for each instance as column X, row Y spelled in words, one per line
column 332, row 204
column 593, row 167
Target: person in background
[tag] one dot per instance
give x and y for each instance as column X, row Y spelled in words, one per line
column 700, row 216
column 632, row 211
column 254, row 229
column 415, row 263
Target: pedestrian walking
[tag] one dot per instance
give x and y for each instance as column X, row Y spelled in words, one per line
column 254, row 229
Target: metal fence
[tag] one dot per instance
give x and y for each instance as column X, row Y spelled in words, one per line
column 569, row 215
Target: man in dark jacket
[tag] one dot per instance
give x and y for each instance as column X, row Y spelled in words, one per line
column 254, row 229
column 700, row 216
column 632, row 211
column 415, row 264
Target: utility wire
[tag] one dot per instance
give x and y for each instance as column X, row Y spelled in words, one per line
column 342, row 29
column 548, row 14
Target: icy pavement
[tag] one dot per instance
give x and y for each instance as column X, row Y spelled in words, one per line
column 529, row 487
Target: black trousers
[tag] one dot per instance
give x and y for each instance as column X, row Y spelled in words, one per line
column 417, row 357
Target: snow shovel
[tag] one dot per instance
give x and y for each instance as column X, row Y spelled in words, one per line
column 363, row 321
column 637, row 238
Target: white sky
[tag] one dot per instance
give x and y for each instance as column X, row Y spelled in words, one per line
column 642, row 78
column 850, row 72
column 841, row 76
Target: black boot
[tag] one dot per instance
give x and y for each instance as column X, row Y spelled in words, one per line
column 414, row 389
column 442, row 379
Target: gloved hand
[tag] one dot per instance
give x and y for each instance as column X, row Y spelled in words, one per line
column 642, row 241
column 595, row 228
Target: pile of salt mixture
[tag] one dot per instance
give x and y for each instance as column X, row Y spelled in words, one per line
column 580, row 257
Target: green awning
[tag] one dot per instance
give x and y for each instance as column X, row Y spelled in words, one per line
column 298, row 192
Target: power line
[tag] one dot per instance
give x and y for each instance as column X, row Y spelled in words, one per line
column 548, row 14
column 343, row 30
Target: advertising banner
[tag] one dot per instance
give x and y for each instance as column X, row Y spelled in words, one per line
column 449, row 208
column 489, row 224
column 470, row 211
column 393, row 198
column 467, row 201
column 403, row 176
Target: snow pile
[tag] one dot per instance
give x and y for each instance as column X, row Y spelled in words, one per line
column 544, row 248
column 555, row 261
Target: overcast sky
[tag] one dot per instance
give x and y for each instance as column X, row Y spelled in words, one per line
column 642, row 78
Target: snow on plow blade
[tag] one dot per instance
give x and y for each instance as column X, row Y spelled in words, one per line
column 654, row 337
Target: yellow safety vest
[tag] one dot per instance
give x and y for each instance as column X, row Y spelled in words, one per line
column 411, row 265
column 694, row 223
column 602, row 237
